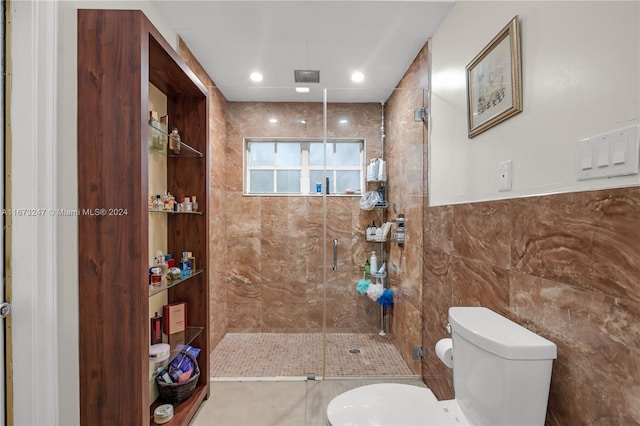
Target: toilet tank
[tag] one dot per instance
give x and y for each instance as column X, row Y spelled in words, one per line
column 501, row 370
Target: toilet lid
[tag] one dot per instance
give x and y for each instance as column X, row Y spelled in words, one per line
column 387, row 404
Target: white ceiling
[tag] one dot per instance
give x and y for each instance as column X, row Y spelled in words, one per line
column 231, row 39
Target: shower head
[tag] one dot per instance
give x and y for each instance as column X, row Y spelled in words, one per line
column 306, row 76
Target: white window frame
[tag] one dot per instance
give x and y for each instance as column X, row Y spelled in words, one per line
column 305, row 168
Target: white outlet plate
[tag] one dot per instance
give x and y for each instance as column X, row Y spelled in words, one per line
column 504, row 176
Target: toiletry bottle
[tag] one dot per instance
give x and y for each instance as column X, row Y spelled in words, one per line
column 161, row 263
column 367, row 267
column 172, row 202
column 174, row 141
column 372, row 231
column 381, row 192
column 156, row 142
column 194, row 203
column 373, row 262
column 378, row 234
column 164, row 127
column 153, row 119
column 156, row 329
column 157, row 204
column 188, row 206
column 165, row 201
column 156, row 276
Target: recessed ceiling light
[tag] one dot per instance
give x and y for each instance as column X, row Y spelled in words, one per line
column 344, row 121
column 303, row 121
column 273, row 120
column 357, row 77
column 255, row 76
column 302, row 89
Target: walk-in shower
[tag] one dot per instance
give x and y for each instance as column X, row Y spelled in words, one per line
column 295, row 236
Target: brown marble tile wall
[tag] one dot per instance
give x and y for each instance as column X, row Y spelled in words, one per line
column 217, row 145
column 274, row 245
column 404, row 150
column 566, row 266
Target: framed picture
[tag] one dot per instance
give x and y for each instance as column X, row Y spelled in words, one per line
column 494, row 81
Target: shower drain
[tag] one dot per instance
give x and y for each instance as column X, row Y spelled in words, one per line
column 354, row 351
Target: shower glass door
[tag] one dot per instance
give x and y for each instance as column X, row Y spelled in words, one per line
column 376, row 145
column 353, row 322
column 277, row 252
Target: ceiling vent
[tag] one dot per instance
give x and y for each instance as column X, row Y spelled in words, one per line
column 307, row 76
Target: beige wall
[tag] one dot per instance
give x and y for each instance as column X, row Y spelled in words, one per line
column 580, row 67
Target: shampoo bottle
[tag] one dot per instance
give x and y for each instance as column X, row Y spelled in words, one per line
column 373, row 262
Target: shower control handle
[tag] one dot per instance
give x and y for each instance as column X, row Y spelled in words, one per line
column 335, row 254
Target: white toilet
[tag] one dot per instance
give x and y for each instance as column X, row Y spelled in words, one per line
column 501, row 376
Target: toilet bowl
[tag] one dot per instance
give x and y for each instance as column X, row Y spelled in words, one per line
column 392, row 404
column 501, row 377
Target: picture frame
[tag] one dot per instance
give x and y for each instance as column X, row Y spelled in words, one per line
column 494, row 81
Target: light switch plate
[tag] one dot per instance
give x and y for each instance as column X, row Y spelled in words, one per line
column 611, row 154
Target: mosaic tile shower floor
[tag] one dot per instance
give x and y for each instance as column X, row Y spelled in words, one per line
column 261, row 355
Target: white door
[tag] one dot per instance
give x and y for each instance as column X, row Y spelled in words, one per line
column 31, row 187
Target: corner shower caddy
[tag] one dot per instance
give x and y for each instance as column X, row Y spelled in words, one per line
column 380, row 207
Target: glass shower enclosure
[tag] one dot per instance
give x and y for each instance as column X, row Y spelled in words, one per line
column 295, row 235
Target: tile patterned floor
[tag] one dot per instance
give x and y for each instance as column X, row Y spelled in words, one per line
column 272, row 355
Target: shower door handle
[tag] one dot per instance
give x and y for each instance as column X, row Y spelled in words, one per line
column 335, row 254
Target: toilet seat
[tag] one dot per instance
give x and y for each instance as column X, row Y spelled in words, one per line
column 392, row 404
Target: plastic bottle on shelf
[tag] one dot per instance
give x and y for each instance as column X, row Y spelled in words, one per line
column 373, row 262
column 370, row 172
column 372, row 231
column 367, row 267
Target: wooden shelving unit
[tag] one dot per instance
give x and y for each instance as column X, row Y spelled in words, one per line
column 119, row 54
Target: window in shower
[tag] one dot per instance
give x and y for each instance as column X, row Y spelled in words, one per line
column 297, row 166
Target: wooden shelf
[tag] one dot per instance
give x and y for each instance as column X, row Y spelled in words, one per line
column 186, row 410
column 119, row 53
